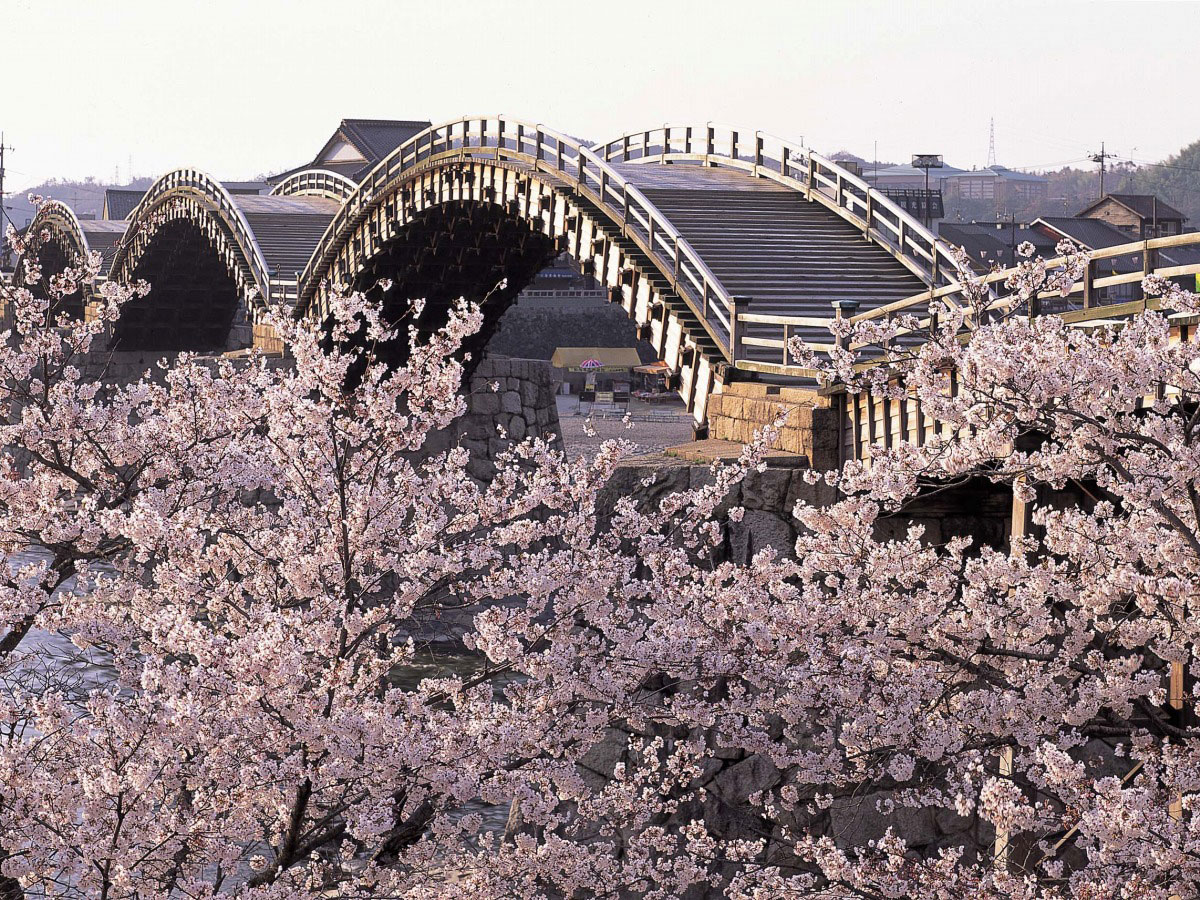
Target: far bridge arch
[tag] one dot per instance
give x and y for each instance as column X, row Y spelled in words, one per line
column 189, row 240
column 56, row 240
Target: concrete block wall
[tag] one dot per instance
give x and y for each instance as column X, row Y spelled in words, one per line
column 744, row 407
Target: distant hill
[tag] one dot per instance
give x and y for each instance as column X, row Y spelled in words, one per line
column 85, row 197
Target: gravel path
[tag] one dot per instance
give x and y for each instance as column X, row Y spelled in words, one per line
column 651, row 437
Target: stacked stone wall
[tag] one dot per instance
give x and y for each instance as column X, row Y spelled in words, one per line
column 743, row 408
column 508, row 400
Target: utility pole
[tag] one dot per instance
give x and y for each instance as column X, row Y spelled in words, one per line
column 1100, row 158
column 4, row 250
column 3, row 211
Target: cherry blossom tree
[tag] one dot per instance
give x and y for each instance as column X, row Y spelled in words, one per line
column 261, row 552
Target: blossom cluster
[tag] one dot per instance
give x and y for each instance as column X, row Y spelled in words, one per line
column 259, row 554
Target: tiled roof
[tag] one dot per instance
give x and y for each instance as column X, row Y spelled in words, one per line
column 999, row 172
column 373, row 138
column 119, row 202
column 910, row 171
column 993, row 242
column 1093, row 234
column 1143, row 205
column 376, row 138
column 245, row 187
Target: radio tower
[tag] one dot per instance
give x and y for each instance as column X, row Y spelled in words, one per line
column 991, row 142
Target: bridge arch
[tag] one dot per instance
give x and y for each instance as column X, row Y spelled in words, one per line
column 55, row 240
column 470, row 204
column 316, row 183
column 190, row 241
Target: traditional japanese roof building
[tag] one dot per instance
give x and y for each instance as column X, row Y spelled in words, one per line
column 357, row 145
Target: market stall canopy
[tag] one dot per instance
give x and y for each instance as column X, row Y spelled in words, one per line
column 654, row 368
column 595, row 359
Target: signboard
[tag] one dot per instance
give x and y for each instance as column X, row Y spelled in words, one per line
column 604, row 397
column 927, row 161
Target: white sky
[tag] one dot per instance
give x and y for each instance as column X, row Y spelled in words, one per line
column 242, row 87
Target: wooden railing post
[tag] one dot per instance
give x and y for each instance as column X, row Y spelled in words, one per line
column 843, row 309
column 738, row 304
column 1149, row 259
column 1087, row 285
column 709, row 141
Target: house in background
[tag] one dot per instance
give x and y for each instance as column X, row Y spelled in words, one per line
column 357, row 146
column 909, row 177
column 1141, row 216
column 1004, row 186
column 1096, row 234
column 119, row 202
column 992, row 245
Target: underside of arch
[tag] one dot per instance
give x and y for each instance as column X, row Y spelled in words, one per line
column 55, row 243
column 444, row 231
column 193, row 298
column 473, row 250
column 200, row 282
column 54, row 256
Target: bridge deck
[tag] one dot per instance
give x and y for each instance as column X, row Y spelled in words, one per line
column 103, row 236
column 286, row 228
column 767, row 242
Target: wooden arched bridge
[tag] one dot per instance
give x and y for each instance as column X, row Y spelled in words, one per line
column 720, row 243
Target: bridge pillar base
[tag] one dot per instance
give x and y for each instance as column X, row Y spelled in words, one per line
column 810, row 428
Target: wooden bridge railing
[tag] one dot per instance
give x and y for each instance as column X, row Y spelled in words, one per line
column 203, row 186
column 60, row 218
column 1087, row 296
column 792, row 164
column 542, row 150
column 868, row 421
column 316, row 182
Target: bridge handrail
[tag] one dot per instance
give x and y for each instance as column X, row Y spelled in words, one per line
column 197, row 181
column 51, row 209
column 1133, row 248
column 1000, row 275
column 502, row 137
column 320, row 182
column 796, row 166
